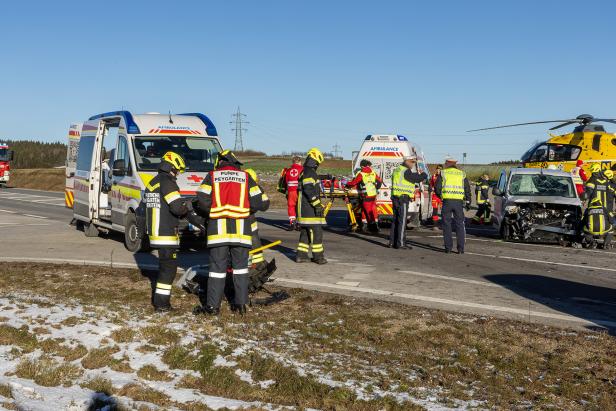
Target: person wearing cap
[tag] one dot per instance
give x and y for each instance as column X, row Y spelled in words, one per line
column 579, row 177
column 454, row 189
column 164, row 207
column 403, row 180
column 368, row 183
column 227, row 196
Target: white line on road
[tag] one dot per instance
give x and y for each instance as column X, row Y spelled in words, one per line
column 22, row 224
column 466, row 304
column 83, row 262
column 504, row 257
column 447, row 278
column 8, row 211
column 34, row 216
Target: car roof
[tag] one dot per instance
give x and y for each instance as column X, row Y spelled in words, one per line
column 545, row 171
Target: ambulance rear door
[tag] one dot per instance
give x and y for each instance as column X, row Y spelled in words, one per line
column 74, row 133
column 86, row 184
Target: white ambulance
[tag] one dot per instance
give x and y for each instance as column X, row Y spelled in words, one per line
column 386, row 152
column 119, row 153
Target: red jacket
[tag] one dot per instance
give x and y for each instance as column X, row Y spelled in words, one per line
column 292, row 176
column 358, row 180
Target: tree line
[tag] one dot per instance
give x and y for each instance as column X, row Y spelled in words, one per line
column 36, row 154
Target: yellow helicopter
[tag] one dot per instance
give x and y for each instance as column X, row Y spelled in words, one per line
column 588, row 142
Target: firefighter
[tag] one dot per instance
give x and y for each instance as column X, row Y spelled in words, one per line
column 164, row 208
column 291, row 180
column 228, row 196
column 368, row 183
column 453, row 188
column 257, row 260
column 597, row 223
column 403, row 180
column 600, row 187
column 483, row 200
column 310, row 211
column 436, row 202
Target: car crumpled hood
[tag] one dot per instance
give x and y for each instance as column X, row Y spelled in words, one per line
column 544, row 200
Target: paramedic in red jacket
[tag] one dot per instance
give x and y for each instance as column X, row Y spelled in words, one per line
column 368, row 184
column 292, row 178
column 437, row 203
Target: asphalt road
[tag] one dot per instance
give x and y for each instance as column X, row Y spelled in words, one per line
column 539, row 283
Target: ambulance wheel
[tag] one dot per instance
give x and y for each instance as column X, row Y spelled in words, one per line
column 90, row 230
column 134, row 241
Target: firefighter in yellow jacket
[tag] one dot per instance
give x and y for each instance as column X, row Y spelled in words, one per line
column 310, row 211
column 228, row 196
column 164, row 209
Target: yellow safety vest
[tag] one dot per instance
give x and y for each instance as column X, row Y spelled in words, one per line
column 452, row 184
column 369, row 180
column 399, row 185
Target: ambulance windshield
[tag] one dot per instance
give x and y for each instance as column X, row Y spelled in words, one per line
column 199, row 153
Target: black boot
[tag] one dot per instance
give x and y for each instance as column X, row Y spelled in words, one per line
column 206, row 310
column 302, row 257
column 319, row 259
column 239, row 308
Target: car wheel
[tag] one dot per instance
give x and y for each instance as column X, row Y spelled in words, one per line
column 134, row 240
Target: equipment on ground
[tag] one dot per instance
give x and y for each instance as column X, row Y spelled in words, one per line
column 588, row 142
column 6, row 156
column 110, row 199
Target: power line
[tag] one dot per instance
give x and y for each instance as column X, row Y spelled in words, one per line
column 239, row 129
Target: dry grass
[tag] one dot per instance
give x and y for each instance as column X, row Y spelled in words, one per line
column 57, row 348
column 5, row 391
column 48, row 372
column 384, row 346
column 51, row 179
column 151, row 373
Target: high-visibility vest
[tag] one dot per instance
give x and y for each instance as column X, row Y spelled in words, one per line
column 399, row 185
column 230, row 197
column 369, row 183
column 452, row 184
column 575, row 173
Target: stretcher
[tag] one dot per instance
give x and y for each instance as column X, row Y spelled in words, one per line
column 336, row 188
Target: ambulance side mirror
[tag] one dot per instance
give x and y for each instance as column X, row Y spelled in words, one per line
column 119, row 168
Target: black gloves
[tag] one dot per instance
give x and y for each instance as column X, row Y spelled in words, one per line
column 195, row 220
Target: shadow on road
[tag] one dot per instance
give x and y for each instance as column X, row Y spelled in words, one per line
column 590, row 302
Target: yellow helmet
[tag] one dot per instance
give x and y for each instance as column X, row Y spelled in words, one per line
column 595, row 168
column 175, row 160
column 609, row 174
column 226, row 155
column 252, row 174
column 315, row 154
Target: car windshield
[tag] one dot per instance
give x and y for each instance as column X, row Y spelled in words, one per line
column 541, row 185
column 4, row 154
column 199, row 153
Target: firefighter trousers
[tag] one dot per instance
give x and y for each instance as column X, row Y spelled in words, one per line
column 483, row 210
column 310, row 239
column 453, row 212
column 168, row 267
column 220, row 259
column 397, row 233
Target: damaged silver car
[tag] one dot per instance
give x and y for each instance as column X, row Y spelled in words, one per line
column 537, row 205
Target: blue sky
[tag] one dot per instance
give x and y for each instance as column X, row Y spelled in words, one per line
column 313, row 73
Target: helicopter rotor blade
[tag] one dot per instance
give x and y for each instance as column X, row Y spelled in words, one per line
column 569, row 121
column 605, row 120
column 564, row 124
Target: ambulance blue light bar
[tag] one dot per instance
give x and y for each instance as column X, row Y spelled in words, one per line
column 402, row 138
column 210, row 129
column 131, row 126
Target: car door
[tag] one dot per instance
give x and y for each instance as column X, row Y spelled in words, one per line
column 87, row 173
column 499, row 200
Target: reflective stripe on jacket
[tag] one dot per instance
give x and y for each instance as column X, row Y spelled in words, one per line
column 453, row 184
column 162, row 224
column 230, row 194
column 399, row 185
column 368, row 186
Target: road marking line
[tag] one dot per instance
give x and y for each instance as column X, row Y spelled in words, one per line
column 9, row 211
column 31, row 201
column 588, row 267
column 447, row 278
column 21, row 224
column 348, row 283
column 34, row 216
column 487, row 307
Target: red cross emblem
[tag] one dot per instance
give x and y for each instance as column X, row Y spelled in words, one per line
column 195, row 178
